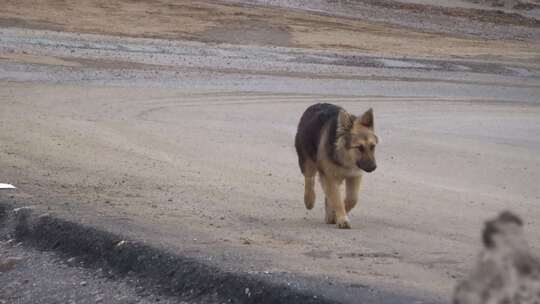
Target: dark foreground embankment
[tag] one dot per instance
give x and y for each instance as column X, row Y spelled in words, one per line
column 156, row 269
column 164, row 271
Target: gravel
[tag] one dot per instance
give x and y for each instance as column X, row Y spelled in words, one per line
column 30, row 276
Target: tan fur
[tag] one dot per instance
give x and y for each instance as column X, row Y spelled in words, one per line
column 352, row 187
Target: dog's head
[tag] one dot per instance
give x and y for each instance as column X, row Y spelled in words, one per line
column 356, row 140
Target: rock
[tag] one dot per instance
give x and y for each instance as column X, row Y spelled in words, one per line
column 9, row 263
column 22, row 209
column 506, row 271
column 10, row 242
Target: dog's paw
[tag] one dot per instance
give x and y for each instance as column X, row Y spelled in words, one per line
column 330, row 220
column 309, row 200
column 330, row 217
column 344, row 224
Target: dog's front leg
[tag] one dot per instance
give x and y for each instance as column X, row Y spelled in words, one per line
column 352, row 187
column 330, row 215
column 334, row 202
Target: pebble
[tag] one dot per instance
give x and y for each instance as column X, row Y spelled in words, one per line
column 9, row 263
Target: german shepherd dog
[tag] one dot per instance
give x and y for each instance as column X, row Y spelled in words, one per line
column 339, row 146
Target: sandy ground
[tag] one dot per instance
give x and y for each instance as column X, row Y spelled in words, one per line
column 211, row 21
column 518, row 20
column 189, row 145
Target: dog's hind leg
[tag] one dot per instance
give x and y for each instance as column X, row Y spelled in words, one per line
column 352, row 187
column 310, row 170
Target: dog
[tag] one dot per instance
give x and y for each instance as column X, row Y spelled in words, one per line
column 507, row 270
column 338, row 146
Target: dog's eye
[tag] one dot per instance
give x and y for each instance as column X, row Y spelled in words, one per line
column 372, row 147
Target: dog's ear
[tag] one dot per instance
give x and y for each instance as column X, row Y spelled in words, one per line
column 345, row 121
column 367, row 119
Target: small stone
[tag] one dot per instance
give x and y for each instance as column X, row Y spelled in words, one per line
column 123, row 299
column 83, row 283
column 22, row 209
column 9, row 263
column 99, row 299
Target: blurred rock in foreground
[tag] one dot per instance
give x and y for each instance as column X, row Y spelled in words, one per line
column 507, row 272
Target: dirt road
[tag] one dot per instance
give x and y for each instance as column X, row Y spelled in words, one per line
column 189, row 145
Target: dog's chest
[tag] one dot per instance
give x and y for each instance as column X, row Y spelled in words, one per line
column 341, row 172
column 348, row 173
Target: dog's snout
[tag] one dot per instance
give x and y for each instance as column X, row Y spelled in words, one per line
column 367, row 166
column 371, row 168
